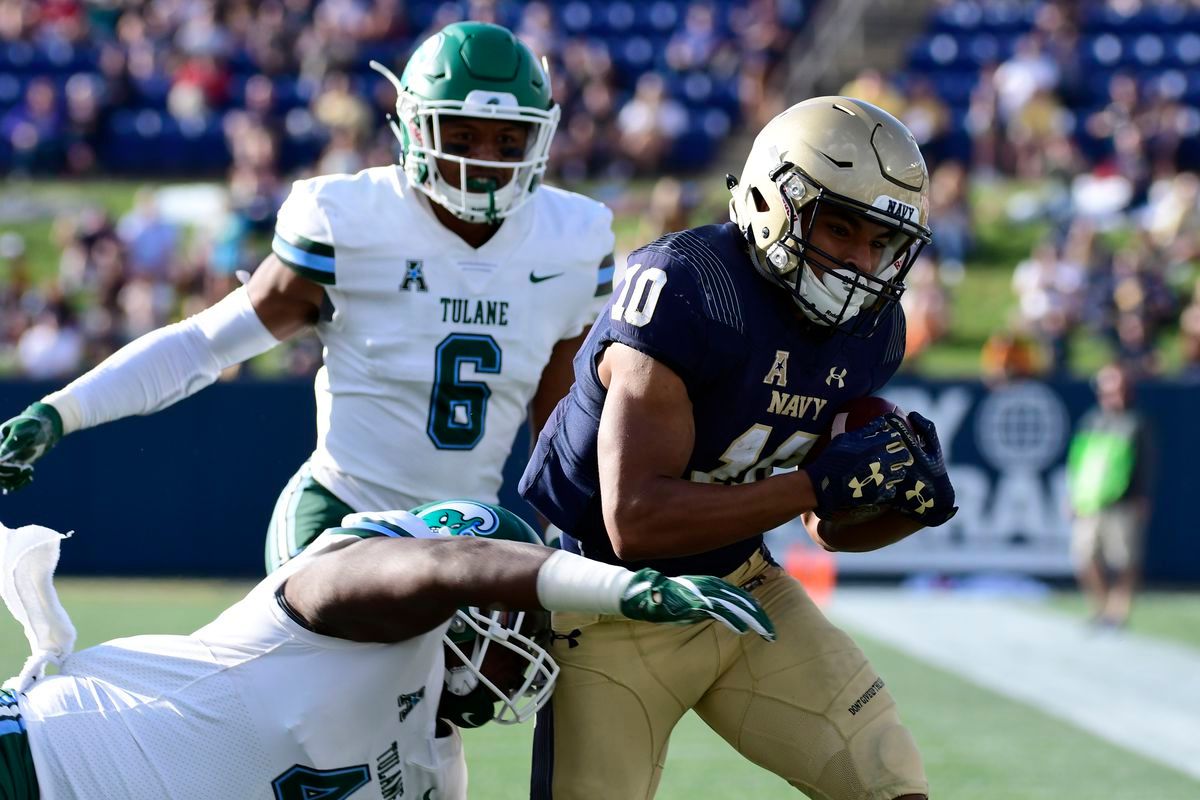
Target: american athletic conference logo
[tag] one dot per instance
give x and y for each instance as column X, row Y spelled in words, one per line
column 462, row 518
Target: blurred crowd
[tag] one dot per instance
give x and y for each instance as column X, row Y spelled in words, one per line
column 1090, row 108
column 267, row 91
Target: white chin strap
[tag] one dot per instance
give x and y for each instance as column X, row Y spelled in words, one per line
column 828, row 294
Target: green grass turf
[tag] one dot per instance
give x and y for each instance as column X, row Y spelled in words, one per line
column 977, row 745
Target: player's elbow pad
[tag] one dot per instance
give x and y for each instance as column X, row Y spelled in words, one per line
column 166, row 365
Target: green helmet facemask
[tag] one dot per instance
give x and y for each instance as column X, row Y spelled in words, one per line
column 481, row 71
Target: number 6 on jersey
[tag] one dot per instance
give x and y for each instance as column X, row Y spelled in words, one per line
column 458, row 408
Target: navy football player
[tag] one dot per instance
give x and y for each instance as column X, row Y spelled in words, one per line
column 726, row 352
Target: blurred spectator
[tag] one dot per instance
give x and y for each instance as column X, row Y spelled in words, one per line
column 650, row 123
column 693, row 46
column 950, row 219
column 52, row 347
column 1029, row 71
column 199, row 89
column 928, row 117
column 1031, row 127
column 1049, row 289
column 1189, row 325
column 150, row 241
column 1109, row 478
column 1009, row 356
column 35, row 129
column 1129, row 303
column 926, row 307
column 871, row 86
column 670, row 206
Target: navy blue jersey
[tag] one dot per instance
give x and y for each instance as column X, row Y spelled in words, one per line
column 764, row 383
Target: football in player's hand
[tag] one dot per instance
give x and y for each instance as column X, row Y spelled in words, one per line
column 854, row 415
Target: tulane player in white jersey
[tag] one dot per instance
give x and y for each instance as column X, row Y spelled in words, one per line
column 333, row 677
column 450, row 292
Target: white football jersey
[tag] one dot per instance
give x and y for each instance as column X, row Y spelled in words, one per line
column 434, row 348
column 252, row 706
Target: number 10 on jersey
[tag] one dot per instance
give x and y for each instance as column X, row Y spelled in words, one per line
column 639, row 295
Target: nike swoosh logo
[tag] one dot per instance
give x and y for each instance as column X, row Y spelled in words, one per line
column 539, row 278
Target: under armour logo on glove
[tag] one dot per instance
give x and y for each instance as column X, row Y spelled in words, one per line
column 922, row 503
column 858, row 486
column 926, row 494
column 861, row 467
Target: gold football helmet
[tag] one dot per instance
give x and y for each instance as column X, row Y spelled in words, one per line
column 833, row 155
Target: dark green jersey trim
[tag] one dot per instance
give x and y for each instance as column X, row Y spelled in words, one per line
column 304, row 243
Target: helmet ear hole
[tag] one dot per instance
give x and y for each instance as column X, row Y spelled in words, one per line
column 760, row 202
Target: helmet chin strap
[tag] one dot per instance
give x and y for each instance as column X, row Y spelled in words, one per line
column 828, row 295
column 479, row 206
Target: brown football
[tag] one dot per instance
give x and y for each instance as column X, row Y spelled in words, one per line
column 853, row 415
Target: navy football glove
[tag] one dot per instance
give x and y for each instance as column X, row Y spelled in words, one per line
column 23, row 440
column 861, row 467
column 926, row 493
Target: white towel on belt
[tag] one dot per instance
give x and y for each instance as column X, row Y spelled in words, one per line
column 28, row 558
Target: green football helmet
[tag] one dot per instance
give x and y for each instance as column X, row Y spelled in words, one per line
column 472, row 69
column 470, row 698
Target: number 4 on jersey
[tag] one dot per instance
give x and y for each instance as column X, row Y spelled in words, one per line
column 306, row 783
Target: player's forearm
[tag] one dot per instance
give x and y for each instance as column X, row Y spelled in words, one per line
column 668, row 517
column 164, row 366
column 389, row 590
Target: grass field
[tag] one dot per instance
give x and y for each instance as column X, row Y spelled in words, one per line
column 977, row 744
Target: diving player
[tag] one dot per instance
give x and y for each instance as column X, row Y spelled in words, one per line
column 450, row 293
column 726, row 352
column 332, row 677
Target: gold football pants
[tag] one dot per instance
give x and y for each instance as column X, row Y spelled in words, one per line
column 808, row 707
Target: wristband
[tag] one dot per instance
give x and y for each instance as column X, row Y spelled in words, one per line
column 567, row 582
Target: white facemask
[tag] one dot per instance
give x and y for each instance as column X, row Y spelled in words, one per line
column 828, row 293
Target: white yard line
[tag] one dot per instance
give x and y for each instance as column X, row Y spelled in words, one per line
column 1140, row 693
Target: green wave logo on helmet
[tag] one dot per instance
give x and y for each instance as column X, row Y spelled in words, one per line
column 471, row 518
column 461, row 518
column 482, row 71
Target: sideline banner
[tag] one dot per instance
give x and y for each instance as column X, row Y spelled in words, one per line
column 189, row 491
column 1006, row 451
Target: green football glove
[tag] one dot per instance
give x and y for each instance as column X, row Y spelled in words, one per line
column 653, row 597
column 23, row 440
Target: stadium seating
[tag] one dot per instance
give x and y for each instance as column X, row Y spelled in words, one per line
column 141, row 137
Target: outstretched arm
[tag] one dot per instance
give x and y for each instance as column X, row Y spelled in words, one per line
column 164, row 366
column 392, row 589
